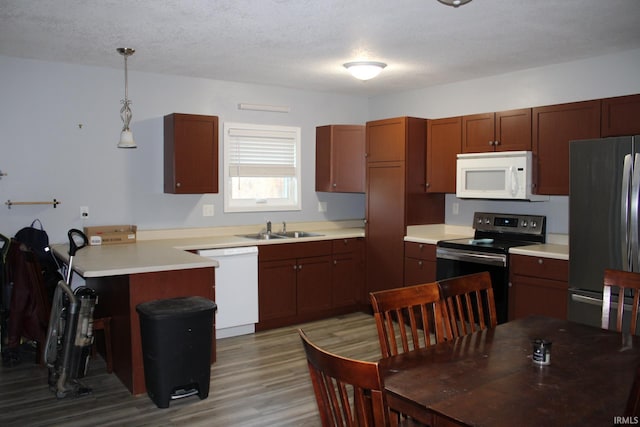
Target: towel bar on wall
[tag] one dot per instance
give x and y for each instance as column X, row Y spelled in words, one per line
column 55, row 203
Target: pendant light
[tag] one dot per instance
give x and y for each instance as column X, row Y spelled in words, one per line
column 126, row 137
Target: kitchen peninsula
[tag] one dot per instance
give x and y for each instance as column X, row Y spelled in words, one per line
column 161, row 264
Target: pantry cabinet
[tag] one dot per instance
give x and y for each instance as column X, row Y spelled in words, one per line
column 554, row 127
column 340, row 162
column 501, row 131
column 444, row 142
column 299, row 282
column 621, row 116
column 395, row 197
column 538, row 286
column 419, row 263
column 190, row 154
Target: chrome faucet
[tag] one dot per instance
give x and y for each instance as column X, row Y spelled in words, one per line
column 268, row 227
column 284, row 227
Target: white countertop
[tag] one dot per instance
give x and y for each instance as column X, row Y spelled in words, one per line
column 164, row 250
column 556, row 247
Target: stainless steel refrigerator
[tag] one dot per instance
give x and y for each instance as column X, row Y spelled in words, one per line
column 603, row 219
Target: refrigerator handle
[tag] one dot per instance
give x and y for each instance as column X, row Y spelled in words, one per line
column 635, row 199
column 624, row 213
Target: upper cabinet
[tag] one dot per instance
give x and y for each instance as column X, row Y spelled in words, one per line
column 621, row 116
column 502, row 131
column 444, row 142
column 553, row 127
column 340, row 159
column 190, row 154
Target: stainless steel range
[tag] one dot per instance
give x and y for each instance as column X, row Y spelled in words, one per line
column 488, row 251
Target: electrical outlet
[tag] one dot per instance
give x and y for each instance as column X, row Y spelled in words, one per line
column 207, row 210
column 84, row 212
column 322, row 206
column 455, row 208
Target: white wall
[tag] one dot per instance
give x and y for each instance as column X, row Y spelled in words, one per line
column 602, row 77
column 48, row 155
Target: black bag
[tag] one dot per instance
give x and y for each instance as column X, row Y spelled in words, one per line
column 37, row 240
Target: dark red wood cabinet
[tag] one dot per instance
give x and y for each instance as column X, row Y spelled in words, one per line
column 538, row 286
column 190, row 154
column 444, row 142
column 554, row 127
column 395, row 197
column 419, row 263
column 340, row 162
column 299, row 282
column 621, row 116
column 501, row 131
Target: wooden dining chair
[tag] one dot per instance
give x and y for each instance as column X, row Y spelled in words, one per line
column 409, row 318
column 469, row 302
column 627, row 283
column 348, row 392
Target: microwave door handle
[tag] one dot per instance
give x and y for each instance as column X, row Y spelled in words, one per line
column 513, row 180
column 635, row 200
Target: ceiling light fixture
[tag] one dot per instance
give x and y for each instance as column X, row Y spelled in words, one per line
column 454, row 3
column 364, row 70
column 126, row 137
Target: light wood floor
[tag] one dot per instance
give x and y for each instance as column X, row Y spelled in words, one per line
column 258, row 380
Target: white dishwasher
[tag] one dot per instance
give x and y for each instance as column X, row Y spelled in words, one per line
column 236, row 289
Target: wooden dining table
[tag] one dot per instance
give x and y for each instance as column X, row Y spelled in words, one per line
column 488, row 378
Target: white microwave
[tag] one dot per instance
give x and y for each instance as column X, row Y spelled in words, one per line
column 506, row 175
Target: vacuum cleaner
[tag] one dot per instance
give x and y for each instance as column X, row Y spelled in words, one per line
column 70, row 332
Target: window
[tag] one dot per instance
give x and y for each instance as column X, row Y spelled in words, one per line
column 261, row 168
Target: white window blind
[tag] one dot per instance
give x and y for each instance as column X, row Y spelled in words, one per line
column 262, row 153
column 261, row 167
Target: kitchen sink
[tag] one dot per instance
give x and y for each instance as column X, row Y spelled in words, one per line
column 280, row 235
column 263, row 236
column 297, row 234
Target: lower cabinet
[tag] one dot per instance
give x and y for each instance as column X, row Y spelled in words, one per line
column 299, row 282
column 538, row 286
column 419, row 263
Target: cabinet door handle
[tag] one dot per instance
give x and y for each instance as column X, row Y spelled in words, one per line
column 420, row 263
column 335, row 262
column 496, row 143
column 299, row 267
column 540, row 261
column 427, row 185
column 335, row 185
column 177, row 184
column 490, row 142
column 421, row 246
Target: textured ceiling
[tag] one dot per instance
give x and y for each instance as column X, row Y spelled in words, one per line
column 303, row 43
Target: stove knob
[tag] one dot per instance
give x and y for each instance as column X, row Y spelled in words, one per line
column 534, row 224
column 487, row 221
column 480, row 221
column 524, row 223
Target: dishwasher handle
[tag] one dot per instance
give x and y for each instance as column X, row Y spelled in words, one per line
column 220, row 252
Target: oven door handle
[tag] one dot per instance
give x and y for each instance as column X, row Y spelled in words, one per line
column 470, row 256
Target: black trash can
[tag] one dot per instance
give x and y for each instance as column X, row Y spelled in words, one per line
column 176, row 347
